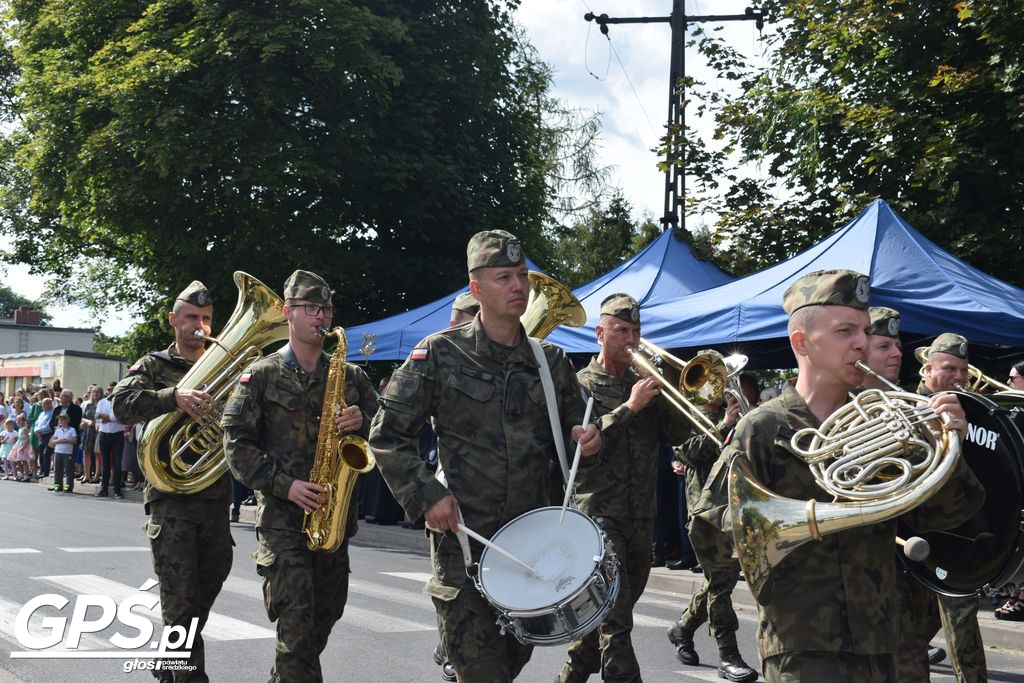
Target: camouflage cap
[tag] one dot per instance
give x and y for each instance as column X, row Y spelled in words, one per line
column 465, row 303
column 621, row 306
column 493, row 249
column 828, row 288
column 885, row 322
column 196, row 294
column 307, row 286
column 951, row 343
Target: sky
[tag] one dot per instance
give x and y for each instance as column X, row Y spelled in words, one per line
column 630, row 93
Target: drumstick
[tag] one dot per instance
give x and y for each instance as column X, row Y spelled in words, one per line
column 496, row 548
column 576, row 460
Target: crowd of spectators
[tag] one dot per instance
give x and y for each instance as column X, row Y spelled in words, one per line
column 48, row 429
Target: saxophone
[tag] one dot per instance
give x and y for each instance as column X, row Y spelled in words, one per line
column 338, row 461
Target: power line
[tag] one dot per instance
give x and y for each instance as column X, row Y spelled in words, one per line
column 631, row 87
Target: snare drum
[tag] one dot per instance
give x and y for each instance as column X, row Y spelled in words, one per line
column 576, row 583
column 986, row 553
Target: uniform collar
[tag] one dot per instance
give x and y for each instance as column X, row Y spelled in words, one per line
column 798, row 415
column 483, row 344
column 288, row 356
column 602, row 376
column 172, row 351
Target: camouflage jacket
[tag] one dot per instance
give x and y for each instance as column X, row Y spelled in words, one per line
column 620, row 482
column 148, row 392
column 699, row 453
column 494, row 438
column 271, row 425
column 837, row 594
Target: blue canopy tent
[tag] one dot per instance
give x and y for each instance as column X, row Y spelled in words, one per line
column 934, row 292
column 664, row 270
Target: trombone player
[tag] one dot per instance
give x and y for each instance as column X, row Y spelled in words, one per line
column 189, row 534
column 829, row 615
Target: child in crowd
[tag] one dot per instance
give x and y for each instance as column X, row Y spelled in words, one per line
column 22, row 453
column 63, row 443
column 8, row 437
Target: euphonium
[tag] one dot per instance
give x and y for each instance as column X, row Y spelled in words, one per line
column 880, row 453
column 551, row 304
column 181, row 455
column 338, row 461
column 978, row 382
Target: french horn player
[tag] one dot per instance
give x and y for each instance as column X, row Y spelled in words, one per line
column 273, row 423
column 189, row 534
column 824, row 578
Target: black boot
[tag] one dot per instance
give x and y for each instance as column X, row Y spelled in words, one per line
column 683, row 640
column 733, row 668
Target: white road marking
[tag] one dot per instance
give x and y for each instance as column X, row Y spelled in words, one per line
column 109, row 549
column 18, row 551
column 422, row 577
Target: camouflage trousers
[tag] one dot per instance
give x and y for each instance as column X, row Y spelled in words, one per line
column 305, row 593
column 963, row 635
column 713, row 603
column 609, row 648
column 192, row 554
column 917, row 619
column 801, row 667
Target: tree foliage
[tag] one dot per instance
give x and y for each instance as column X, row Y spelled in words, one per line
column 172, row 140
column 11, row 301
column 918, row 102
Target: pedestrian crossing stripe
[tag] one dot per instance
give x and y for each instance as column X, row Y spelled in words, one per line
column 18, row 551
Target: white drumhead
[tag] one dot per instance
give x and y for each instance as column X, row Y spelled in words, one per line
column 564, row 556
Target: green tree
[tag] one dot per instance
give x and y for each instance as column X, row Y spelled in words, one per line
column 10, row 301
column 172, row 140
column 917, row 102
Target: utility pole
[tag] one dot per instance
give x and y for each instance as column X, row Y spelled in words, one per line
column 675, row 175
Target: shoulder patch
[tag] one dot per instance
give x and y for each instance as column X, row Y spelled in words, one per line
column 420, row 354
column 245, row 377
column 135, row 368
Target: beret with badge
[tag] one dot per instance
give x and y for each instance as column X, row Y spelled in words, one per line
column 621, row 306
column 948, row 342
column 307, row 286
column 493, row 249
column 196, row 294
column 465, row 303
column 828, row 288
column 885, row 322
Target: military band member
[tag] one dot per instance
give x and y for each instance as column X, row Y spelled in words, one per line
column 829, row 612
column 946, row 370
column 271, row 426
column 617, row 489
column 481, row 384
column 464, row 309
column 189, row 534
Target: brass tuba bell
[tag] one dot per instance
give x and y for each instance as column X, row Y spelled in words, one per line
column 181, row 455
column 551, row 304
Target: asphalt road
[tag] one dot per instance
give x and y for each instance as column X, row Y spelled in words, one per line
column 78, row 545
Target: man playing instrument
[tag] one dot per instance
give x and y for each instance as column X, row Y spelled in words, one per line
column 189, row 534
column 617, row 489
column 271, row 426
column 829, row 612
column 481, row 384
column 945, row 369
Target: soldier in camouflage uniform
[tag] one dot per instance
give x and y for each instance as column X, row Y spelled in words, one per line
column 826, row 611
column 481, row 385
column 189, row 534
column 271, row 426
column 944, row 369
column 617, row 489
column 712, row 602
column 464, row 309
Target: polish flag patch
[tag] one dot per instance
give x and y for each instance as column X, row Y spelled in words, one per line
column 419, row 354
column 244, row 379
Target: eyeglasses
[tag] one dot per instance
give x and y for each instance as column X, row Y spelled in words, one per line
column 316, row 309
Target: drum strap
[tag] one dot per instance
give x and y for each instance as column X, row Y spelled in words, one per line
column 549, row 398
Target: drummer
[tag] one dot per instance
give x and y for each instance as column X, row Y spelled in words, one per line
column 945, row 369
column 481, row 384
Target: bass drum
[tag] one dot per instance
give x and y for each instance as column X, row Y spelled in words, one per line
column 986, row 553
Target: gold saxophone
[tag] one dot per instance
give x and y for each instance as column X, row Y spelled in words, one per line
column 338, row 461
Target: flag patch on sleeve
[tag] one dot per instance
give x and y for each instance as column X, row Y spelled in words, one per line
column 420, row 354
column 244, row 379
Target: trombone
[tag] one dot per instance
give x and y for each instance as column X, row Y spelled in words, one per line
column 687, row 385
column 978, row 382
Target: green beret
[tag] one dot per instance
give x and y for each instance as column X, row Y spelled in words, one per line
column 307, row 286
column 828, row 288
column 196, row 294
column 493, row 249
column 621, row 306
column 885, row 322
column 465, row 303
column 950, row 343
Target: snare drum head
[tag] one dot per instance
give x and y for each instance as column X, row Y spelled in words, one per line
column 564, row 556
column 987, row 549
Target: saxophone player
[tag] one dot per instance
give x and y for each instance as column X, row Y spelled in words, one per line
column 271, row 427
column 189, row 534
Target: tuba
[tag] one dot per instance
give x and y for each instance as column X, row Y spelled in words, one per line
column 690, row 384
column 879, row 453
column 180, row 455
column 978, row 382
column 338, row 461
column 551, row 304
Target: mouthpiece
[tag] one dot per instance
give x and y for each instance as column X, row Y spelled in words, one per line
column 199, row 334
column 321, row 330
